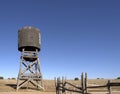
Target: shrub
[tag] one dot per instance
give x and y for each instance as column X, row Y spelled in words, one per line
column 13, row 78
column 1, row 77
column 76, row 78
column 118, row 77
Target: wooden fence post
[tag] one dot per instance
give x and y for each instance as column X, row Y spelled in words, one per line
column 109, row 88
column 58, row 85
column 63, row 81
column 82, row 83
column 86, row 83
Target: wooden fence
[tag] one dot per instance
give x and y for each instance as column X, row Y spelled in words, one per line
column 62, row 86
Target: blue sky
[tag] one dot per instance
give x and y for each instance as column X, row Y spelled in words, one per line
column 77, row 36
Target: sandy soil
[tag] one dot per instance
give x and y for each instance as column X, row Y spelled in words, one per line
column 9, row 87
column 27, row 92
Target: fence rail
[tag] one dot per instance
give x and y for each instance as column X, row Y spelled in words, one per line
column 62, row 86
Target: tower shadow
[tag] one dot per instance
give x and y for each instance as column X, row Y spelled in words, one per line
column 12, row 85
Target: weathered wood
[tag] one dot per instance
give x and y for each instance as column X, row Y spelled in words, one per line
column 82, row 82
column 109, row 87
column 78, row 91
column 73, row 85
column 30, row 71
column 22, row 84
column 114, row 84
column 102, row 86
column 86, row 83
column 38, row 85
column 62, row 86
column 28, row 67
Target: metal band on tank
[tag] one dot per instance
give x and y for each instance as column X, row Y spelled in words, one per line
column 29, row 27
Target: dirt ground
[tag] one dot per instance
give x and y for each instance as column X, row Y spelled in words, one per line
column 27, row 92
column 51, row 93
column 9, row 87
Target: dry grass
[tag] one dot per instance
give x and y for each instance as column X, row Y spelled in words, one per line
column 9, row 86
column 27, row 92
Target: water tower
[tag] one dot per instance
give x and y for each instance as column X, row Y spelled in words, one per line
column 29, row 42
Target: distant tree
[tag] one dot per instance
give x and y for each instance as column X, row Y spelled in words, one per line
column 98, row 78
column 76, row 78
column 118, row 77
column 1, row 77
column 13, row 78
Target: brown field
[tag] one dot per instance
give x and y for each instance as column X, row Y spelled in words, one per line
column 9, row 87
